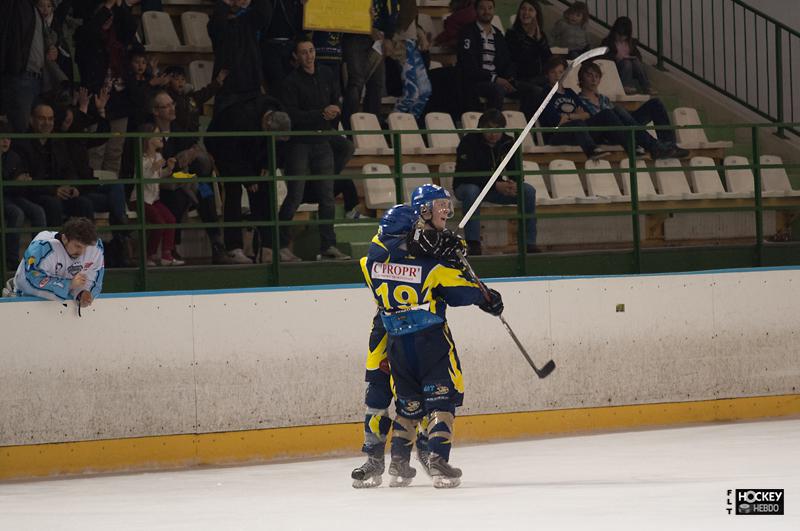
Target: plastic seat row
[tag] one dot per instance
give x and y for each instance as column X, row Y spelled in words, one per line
column 160, row 34
column 667, row 180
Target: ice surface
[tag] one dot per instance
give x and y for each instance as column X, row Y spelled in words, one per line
column 664, row 479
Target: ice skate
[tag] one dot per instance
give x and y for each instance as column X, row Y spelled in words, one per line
column 401, row 472
column 444, row 476
column 423, row 456
column 369, row 474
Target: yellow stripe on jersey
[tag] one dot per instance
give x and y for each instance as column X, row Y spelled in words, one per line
column 447, row 277
column 365, row 271
column 376, row 356
column 455, row 372
column 377, row 241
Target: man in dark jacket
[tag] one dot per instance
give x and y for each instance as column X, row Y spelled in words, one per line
column 311, row 98
column 48, row 159
column 484, row 62
column 484, row 152
column 235, row 28
column 246, row 157
column 22, row 59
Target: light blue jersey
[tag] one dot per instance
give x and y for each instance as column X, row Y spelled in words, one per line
column 47, row 270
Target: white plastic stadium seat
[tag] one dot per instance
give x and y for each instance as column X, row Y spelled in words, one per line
column 379, row 193
column 446, row 142
column 469, row 120
column 694, row 138
column 200, row 73
column 775, row 180
column 644, row 183
column 671, row 180
column 195, row 30
column 368, row 144
column 568, row 185
column 412, row 143
column 159, row 33
column 516, row 120
column 603, row 184
column 739, row 180
column 537, row 181
column 707, row 181
column 412, row 183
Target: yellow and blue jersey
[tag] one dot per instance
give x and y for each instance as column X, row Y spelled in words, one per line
column 413, row 292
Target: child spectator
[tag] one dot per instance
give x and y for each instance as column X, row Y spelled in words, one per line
column 529, row 50
column 570, row 31
column 462, row 13
column 189, row 105
column 622, row 49
column 142, row 79
column 155, row 167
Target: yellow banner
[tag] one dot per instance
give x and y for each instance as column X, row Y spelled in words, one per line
column 348, row 16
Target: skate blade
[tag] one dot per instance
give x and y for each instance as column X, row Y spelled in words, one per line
column 441, row 482
column 369, row 483
column 399, row 481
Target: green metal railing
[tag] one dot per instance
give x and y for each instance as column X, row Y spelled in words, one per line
column 733, row 48
column 634, row 209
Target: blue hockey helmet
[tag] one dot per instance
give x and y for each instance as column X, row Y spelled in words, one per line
column 399, row 219
column 423, row 197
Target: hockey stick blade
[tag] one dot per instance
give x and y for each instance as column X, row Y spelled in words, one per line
column 591, row 54
column 550, row 365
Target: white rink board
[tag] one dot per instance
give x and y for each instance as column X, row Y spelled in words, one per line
column 209, row 362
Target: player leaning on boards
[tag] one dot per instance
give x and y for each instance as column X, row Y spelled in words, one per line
column 412, row 293
column 62, row 266
column 396, row 235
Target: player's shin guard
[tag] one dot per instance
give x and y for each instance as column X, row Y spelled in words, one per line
column 377, row 424
column 440, row 438
column 376, row 428
column 400, row 469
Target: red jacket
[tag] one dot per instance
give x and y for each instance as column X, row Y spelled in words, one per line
column 453, row 24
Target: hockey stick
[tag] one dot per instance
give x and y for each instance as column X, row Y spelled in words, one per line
column 576, row 63
column 550, row 365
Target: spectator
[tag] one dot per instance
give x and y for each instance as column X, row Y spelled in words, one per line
column 104, row 197
column 191, row 158
column 407, row 45
column 529, row 49
column 235, row 29
column 565, row 111
column 142, row 80
column 653, row 110
column 484, row 62
column 482, row 152
column 49, row 159
column 312, row 101
column 284, row 26
column 462, row 13
column 247, row 157
column 57, row 62
column 22, row 60
column 155, row 167
column 189, row 106
column 101, row 47
column 16, row 204
column 570, row 31
column 623, row 50
column 365, row 65
column 62, row 266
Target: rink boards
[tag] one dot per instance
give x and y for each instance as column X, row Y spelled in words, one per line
column 164, row 380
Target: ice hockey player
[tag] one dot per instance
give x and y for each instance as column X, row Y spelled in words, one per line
column 413, row 293
column 390, row 243
column 63, row 266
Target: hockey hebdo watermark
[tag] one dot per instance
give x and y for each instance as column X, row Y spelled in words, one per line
column 755, row 502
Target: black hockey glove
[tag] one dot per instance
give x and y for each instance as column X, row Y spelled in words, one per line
column 441, row 245
column 494, row 305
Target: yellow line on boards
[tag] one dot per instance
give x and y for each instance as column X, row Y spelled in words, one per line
column 182, row 451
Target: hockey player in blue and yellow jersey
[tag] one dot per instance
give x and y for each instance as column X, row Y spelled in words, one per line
column 412, row 292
